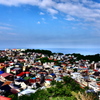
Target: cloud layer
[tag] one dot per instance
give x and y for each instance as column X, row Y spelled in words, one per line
column 86, row 10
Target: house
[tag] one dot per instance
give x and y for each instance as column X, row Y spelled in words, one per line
column 22, row 84
column 11, row 63
column 20, row 74
column 6, row 83
column 95, row 86
column 23, row 73
column 16, row 70
column 8, row 69
column 14, row 91
column 5, row 75
column 26, row 92
column 4, row 98
column 6, row 88
column 1, row 72
column 77, row 76
column 1, row 83
column 96, row 73
column 1, row 66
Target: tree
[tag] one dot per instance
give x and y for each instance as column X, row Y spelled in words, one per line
column 83, row 96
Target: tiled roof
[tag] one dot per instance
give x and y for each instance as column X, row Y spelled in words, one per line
column 7, row 83
column 5, row 74
column 4, row 98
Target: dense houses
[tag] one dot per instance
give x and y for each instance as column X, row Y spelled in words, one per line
column 24, row 72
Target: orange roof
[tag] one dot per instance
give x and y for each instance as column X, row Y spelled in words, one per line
column 7, row 83
column 1, row 67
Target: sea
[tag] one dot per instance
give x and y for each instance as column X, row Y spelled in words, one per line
column 83, row 51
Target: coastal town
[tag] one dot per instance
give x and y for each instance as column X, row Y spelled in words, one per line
column 22, row 72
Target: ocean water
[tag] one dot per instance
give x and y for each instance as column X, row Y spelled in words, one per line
column 83, row 51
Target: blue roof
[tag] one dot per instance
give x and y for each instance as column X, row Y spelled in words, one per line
column 1, row 72
column 33, row 78
column 56, row 66
column 52, row 74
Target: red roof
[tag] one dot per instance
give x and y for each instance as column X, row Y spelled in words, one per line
column 2, row 64
column 95, row 70
column 11, row 62
column 63, row 64
column 6, row 65
column 27, row 72
column 37, row 79
column 21, row 60
column 5, row 74
column 83, row 66
column 4, row 98
column 48, row 79
column 22, row 73
column 32, row 80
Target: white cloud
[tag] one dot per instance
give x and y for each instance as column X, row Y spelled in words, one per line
column 69, row 18
column 43, row 18
column 41, row 13
column 54, row 17
column 19, row 2
column 52, row 11
column 12, row 33
column 5, row 24
column 38, row 22
column 46, row 3
column 87, row 10
column 5, row 28
column 73, row 27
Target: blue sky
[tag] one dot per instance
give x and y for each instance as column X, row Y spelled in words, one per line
column 49, row 24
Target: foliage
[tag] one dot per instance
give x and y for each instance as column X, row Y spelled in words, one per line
column 59, row 91
column 40, row 95
column 53, row 82
column 48, row 52
column 3, row 59
column 75, row 69
column 95, row 57
column 25, row 97
column 86, row 87
column 63, row 98
column 45, row 59
column 72, row 84
column 13, row 96
column 83, row 96
column 60, row 53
